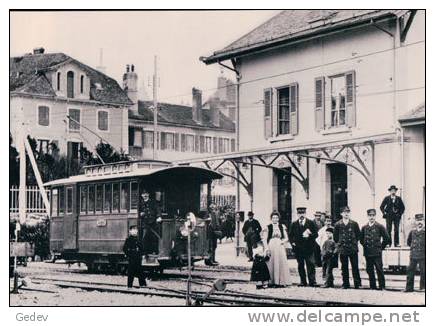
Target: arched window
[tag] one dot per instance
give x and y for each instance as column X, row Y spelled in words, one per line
column 70, row 84
column 82, row 83
column 58, row 81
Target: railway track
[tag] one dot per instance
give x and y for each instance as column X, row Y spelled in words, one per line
column 228, row 298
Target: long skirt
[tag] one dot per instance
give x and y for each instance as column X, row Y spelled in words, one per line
column 277, row 264
column 259, row 271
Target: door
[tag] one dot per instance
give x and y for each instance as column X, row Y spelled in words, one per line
column 284, row 195
column 70, row 219
column 338, row 174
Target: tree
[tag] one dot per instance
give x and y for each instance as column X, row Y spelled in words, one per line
column 14, row 166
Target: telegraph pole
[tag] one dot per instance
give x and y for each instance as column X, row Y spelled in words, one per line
column 155, row 108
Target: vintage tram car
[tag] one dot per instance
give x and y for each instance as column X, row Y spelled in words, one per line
column 91, row 213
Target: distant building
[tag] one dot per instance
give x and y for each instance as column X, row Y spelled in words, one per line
column 46, row 88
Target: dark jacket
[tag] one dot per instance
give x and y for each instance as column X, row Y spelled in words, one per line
column 374, row 239
column 347, row 237
column 303, row 246
column 270, row 231
column 417, row 242
column 133, row 249
column 329, row 249
column 392, row 209
column 149, row 211
column 251, row 228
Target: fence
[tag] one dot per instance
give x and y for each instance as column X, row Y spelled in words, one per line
column 34, row 202
column 219, row 200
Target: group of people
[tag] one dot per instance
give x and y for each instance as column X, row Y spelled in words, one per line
column 320, row 242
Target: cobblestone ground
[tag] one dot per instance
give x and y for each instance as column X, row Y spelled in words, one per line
column 231, row 268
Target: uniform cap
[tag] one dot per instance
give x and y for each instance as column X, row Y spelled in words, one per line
column 330, row 230
column 371, row 211
column 318, row 213
column 419, row 217
column 345, row 209
column 301, row 209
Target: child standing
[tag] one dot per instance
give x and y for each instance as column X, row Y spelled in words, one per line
column 329, row 250
column 260, row 271
column 417, row 242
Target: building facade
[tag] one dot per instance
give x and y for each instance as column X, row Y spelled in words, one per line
column 324, row 97
column 57, row 99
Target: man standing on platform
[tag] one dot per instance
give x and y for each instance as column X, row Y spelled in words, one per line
column 374, row 239
column 149, row 216
column 133, row 250
column 417, row 242
column 303, row 234
column 214, row 233
column 347, row 235
column 251, row 230
column 392, row 208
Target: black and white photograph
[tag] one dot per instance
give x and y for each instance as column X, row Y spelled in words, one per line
column 217, row 158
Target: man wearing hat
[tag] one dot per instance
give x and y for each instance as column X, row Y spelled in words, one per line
column 303, row 234
column 133, row 249
column 374, row 239
column 392, row 208
column 347, row 235
column 251, row 229
column 417, row 243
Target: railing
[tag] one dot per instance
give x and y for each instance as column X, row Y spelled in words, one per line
column 34, row 202
column 219, row 200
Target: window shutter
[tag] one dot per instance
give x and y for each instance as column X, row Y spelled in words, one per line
column 143, row 138
column 294, row 99
column 177, row 142
column 319, row 108
column 183, row 142
column 274, row 113
column 233, row 145
column 197, row 143
column 350, row 99
column 267, row 99
column 215, row 145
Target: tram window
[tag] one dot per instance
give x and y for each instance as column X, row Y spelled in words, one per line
column 107, row 197
column 115, row 207
column 99, row 199
column 83, row 199
column 124, row 196
column 91, row 199
column 54, row 202
column 69, row 200
column 61, row 201
column 134, row 198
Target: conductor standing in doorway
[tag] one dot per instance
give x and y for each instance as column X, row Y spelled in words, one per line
column 392, row 208
column 303, row 234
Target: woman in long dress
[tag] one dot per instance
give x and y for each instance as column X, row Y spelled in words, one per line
column 276, row 240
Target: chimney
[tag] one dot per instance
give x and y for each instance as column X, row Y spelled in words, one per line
column 39, row 50
column 196, row 105
column 215, row 112
column 129, row 84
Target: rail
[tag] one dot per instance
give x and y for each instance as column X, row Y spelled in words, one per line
column 34, row 201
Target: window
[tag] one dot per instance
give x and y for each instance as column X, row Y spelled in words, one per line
column 91, row 199
column 103, row 120
column 74, row 121
column 73, row 150
column 61, row 201
column 341, row 109
column 167, row 141
column 220, row 145
column 125, row 196
column 201, row 144
column 115, row 200
column 283, row 111
column 58, row 81
column 134, row 196
column 82, row 84
column 99, row 199
column 54, row 202
column 208, row 145
column 70, row 84
column 190, row 145
column 44, row 116
column 83, row 199
column 148, row 139
column 136, row 137
column 107, row 197
column 43, row 146
column 69, row 200
column 226, row 145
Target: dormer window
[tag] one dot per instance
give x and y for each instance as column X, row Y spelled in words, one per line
column 82, row 82
column 58, row 81
column 70, row 84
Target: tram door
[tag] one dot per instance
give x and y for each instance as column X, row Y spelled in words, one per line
column 70, row 220
column 338, row 177
column 284, row 196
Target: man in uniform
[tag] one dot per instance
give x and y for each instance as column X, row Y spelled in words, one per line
column 374, row 239
column 149, row 214
column 214, row 233
column 392, row 208
column 133, row 249
column 303, row 234
column 251, row 230
column 347, row 235
column 417, row 242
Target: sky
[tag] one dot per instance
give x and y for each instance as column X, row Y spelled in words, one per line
column 178, row 38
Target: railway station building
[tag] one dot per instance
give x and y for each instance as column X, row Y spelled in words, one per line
column 330, row 112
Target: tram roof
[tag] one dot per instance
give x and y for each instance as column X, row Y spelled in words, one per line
column 131, row 171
